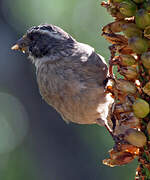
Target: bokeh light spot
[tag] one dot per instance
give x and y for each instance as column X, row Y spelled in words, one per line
column 13, row 122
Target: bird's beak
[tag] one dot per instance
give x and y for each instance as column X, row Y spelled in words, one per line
column 22, row 44
column 15, row 47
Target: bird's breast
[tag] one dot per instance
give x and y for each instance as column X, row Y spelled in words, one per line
column 72, row 98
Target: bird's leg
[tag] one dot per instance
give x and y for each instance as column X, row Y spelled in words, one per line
column 109, row 130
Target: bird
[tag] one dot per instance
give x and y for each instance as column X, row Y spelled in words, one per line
column 71, row 76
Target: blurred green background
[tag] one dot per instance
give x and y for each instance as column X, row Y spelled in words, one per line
column 35, row 143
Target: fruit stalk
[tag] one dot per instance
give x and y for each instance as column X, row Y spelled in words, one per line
column 129, row 36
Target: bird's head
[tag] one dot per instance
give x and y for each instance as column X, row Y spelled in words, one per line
column 44, row 41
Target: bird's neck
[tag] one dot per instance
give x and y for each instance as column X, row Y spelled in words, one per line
column 39, row 61
column 80, row 50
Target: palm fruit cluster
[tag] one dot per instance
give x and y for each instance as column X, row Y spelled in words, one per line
column 129, row 36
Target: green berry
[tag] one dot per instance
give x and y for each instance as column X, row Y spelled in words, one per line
column 146, row 59
column 128, row 8
column 130, row 30
column 135, row 137
column 127, row 60
column 140, row 108
column 146, row 88
column 138, row 45
column 125, row 86
column 142, row 18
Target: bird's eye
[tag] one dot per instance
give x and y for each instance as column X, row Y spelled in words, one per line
column 30, row 36
column 33, row 36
